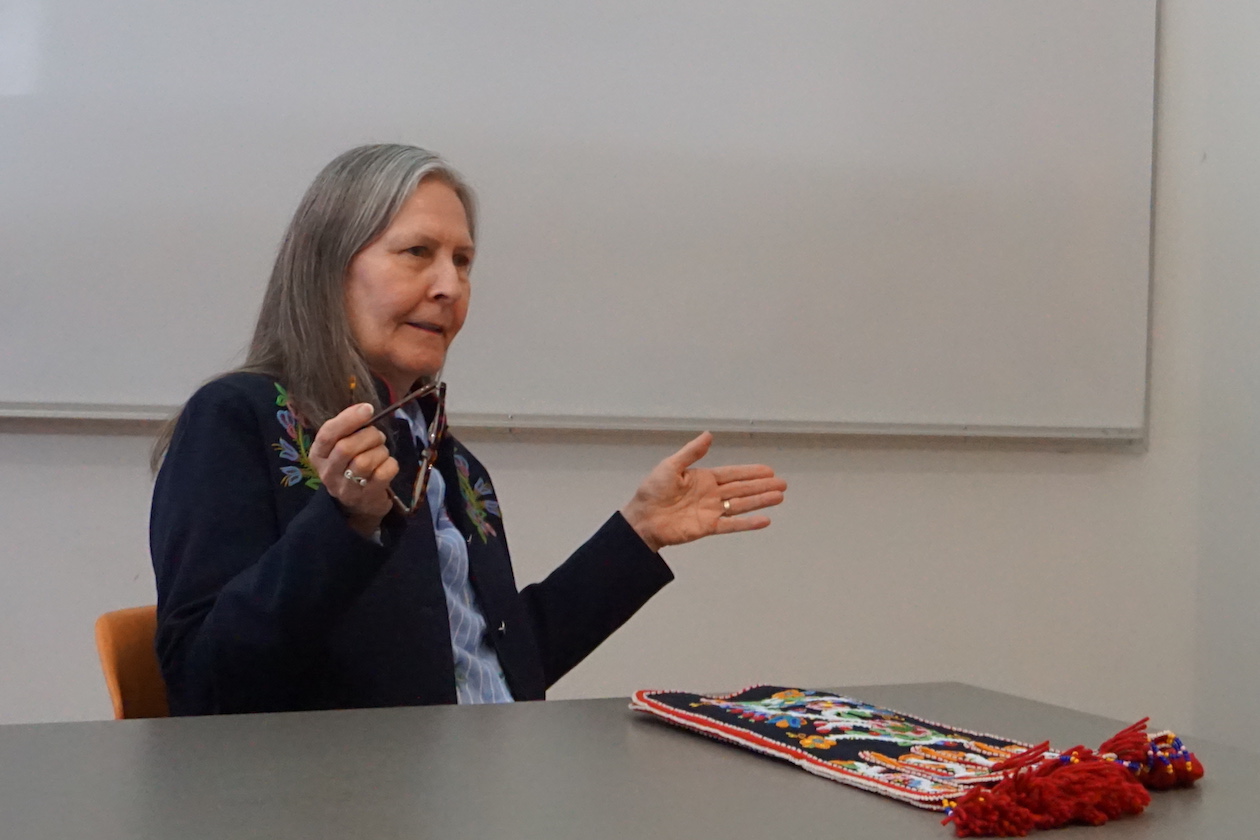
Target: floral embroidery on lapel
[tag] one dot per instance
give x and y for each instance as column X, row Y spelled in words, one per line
column 298, row 450
column 479, row 501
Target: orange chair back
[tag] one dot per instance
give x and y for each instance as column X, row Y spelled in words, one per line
column 124, row 639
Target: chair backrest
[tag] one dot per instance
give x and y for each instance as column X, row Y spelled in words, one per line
column 124, row 639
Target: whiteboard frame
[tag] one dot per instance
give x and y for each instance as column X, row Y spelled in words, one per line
column 141, row 417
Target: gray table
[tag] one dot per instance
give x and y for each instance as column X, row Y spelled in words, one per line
column 586, row 769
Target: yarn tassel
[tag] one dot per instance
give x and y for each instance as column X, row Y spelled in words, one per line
column 1167, row 764
column 1076, row 786
column 1160, row 761
column 1129, row 743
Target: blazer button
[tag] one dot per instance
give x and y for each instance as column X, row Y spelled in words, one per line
column 502, row 631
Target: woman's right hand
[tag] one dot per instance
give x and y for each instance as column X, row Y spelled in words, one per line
column 339, row 449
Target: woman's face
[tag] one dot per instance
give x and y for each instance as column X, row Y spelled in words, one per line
column 407, row 290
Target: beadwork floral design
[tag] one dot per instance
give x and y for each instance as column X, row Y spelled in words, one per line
column 835, row 718
column 816, row 742
column 296, row 448
column 987, row 786
column 479, row 501
column 842, row 738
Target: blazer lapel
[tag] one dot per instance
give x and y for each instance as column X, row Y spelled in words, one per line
column 408, row 460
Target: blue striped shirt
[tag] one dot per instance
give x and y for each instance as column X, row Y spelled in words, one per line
column 478, row 674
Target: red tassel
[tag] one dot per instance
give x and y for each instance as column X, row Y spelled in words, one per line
column 1084, row 789
column 1129, row 743
column 1027, row 758
column 1190, row 770
column 1166, row 763
column 1158, row 761
column 1078, row 786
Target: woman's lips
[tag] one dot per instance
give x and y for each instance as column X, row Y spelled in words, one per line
column 427, row 326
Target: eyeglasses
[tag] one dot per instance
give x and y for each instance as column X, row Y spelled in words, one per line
column 437, row 431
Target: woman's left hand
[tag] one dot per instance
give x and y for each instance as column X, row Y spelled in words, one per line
column 677, row 503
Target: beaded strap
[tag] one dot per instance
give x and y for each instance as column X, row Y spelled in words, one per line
column 986, row 784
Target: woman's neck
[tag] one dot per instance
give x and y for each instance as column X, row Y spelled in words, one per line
column 398, row 387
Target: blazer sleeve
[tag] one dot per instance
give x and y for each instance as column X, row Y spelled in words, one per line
column 244, row 606
column 591, row 594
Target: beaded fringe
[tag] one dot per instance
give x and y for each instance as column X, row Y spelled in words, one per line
column 1076, row 786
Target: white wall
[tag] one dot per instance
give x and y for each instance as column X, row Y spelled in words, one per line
column 1108, row 581
column 1228, row 673
column 74, row 519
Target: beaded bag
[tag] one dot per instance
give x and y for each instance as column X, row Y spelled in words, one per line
column 988, row 786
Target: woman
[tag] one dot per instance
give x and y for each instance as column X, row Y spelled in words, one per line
column 365, row 563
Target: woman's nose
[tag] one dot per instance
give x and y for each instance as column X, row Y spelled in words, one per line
column 445, row 282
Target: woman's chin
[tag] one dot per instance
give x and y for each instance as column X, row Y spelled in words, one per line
column 424, row 369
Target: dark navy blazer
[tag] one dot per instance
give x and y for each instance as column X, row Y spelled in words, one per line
column 269, row 601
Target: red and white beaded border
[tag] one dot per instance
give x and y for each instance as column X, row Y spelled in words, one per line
column 642, row 701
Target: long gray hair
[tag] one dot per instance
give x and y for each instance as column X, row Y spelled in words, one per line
column 303, row 335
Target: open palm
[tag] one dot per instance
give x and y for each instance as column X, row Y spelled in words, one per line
column 678, row 503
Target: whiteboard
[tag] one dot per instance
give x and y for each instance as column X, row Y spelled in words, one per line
column 815, row 215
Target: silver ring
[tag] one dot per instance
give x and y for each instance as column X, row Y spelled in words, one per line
column 357, row 479
column 726, row 507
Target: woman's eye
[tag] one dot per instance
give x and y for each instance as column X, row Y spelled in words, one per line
column 418, row 251
column 462, row 261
